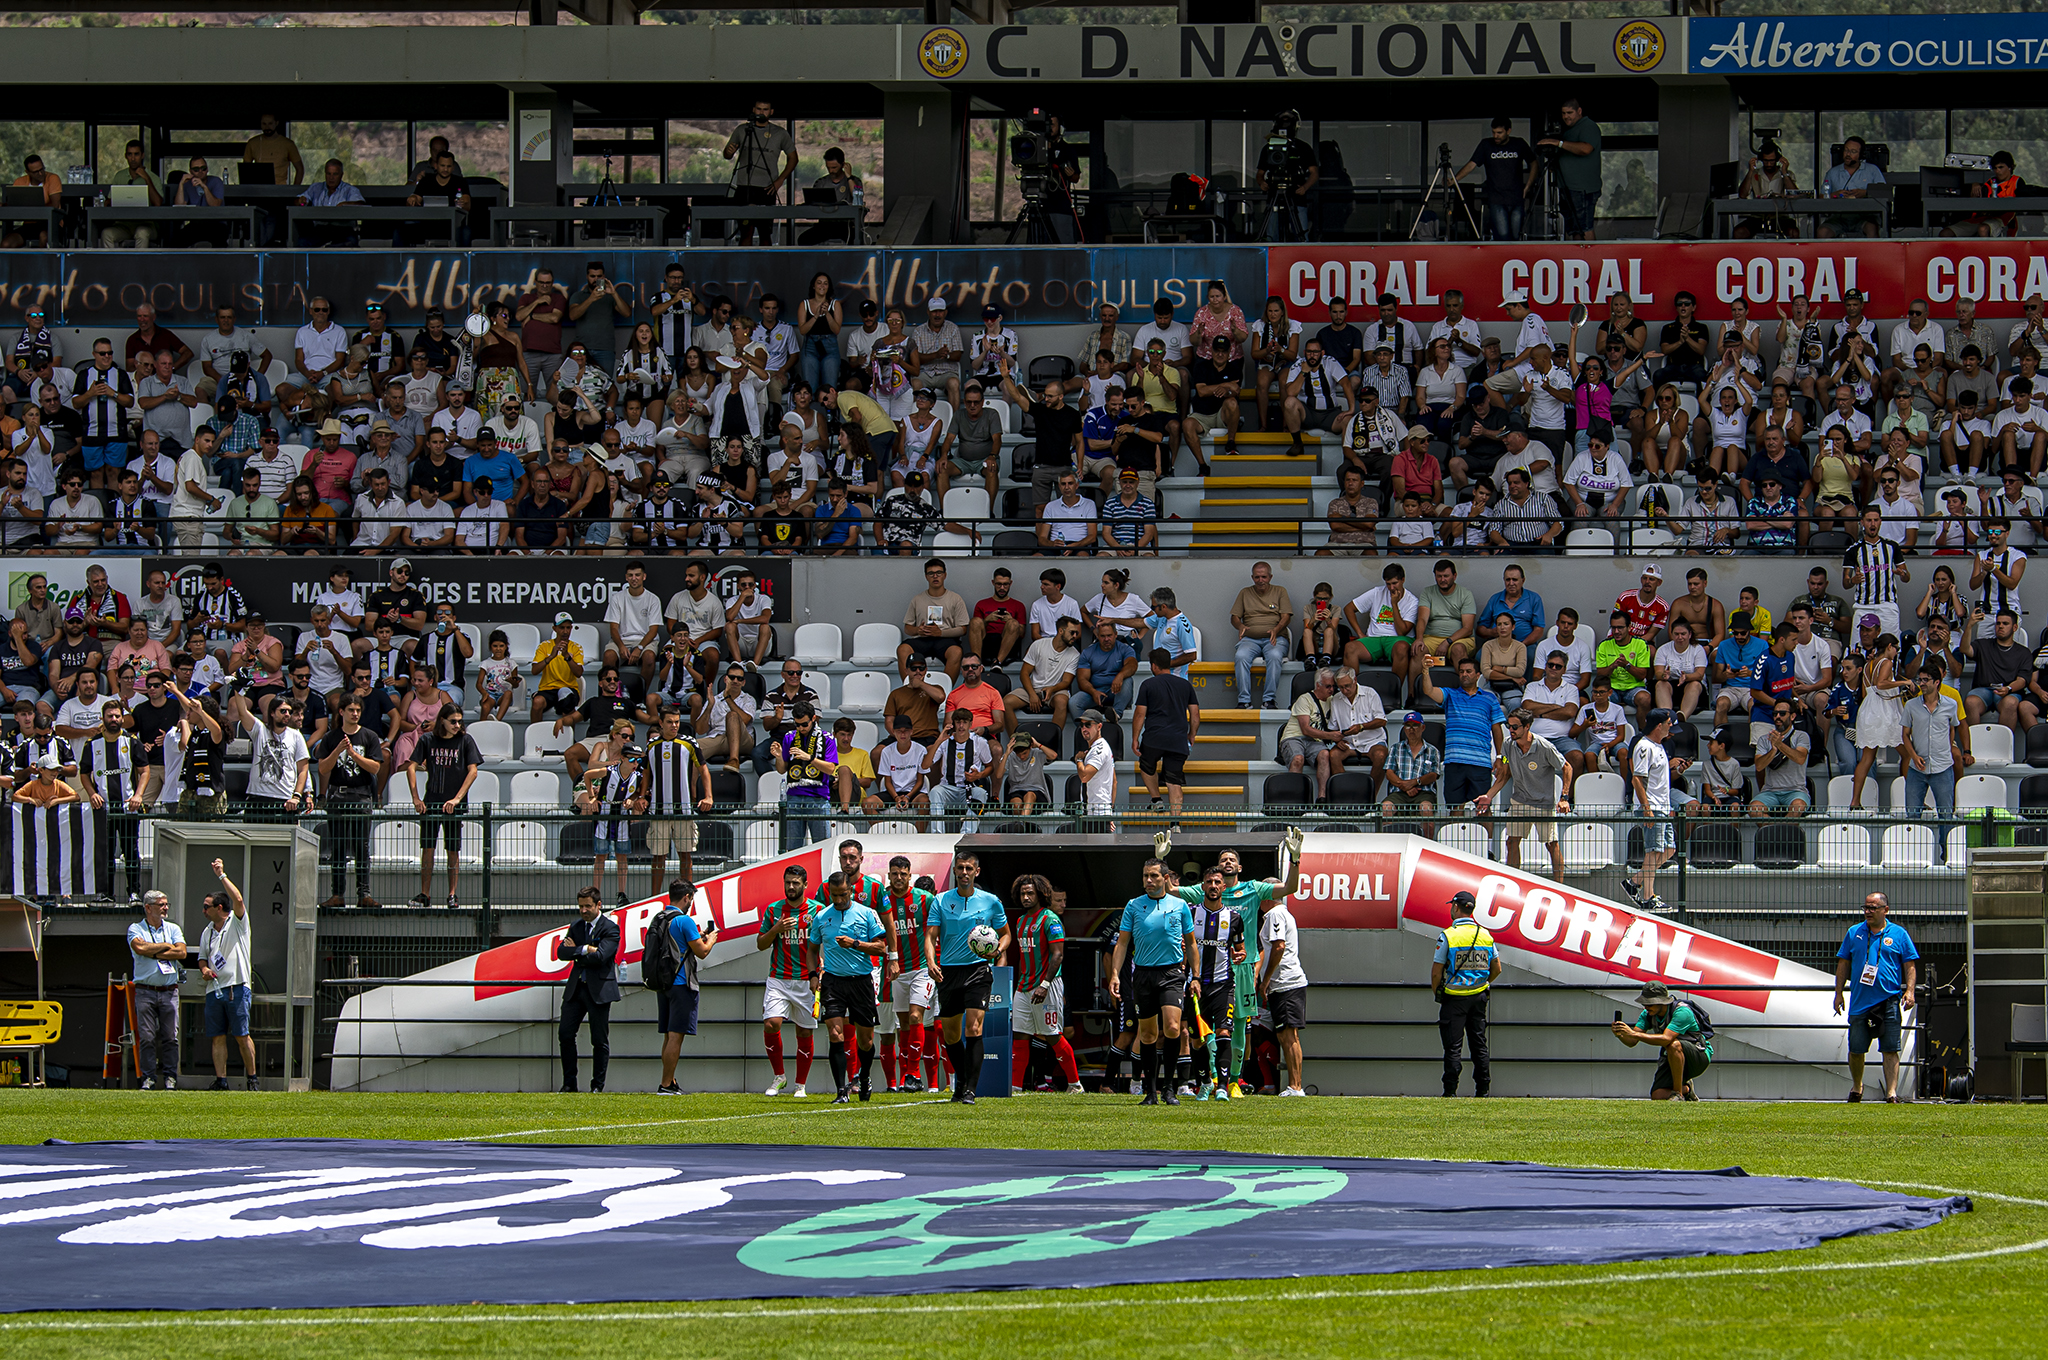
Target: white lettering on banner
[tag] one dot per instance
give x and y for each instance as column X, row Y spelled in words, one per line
column 1342, row 888
column 633, row 928
column 1333, row 279
column 736, row 915
column 1674, row 962
column 1585, row 927
column 1301, row 284
column 544, row 953
column 1549, row 282
column 1364, row 283
column 1586, row 932
column 1638, row 945
column 1543, row 915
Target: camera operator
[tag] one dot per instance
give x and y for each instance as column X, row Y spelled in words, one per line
column 1506, row 165
column 753, row 148
column 1577, row 148
column 1289, row 164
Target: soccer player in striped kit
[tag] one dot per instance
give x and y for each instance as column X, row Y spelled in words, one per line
column 1039, row 1008
column 911, row 994
column 113, row 764
column 785, row 925
column 1219, row 947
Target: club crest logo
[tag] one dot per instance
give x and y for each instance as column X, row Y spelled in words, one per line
column 1639, row 46
column 943, row 53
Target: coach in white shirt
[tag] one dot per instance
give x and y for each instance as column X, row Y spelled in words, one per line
column 224, row 963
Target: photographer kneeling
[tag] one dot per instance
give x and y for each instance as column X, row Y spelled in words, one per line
column 1675, row 1028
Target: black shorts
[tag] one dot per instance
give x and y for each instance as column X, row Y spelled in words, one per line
column 1465, row 783
column 1170, row 766
column 1156, row 987
column 1696, row 1062
column 933, row 648
column 964, row 988
column 849, row 996
column 1290, row 1009
column 439, row 826
column 560, row 701
column 1219, row 1005
column 675, row 1010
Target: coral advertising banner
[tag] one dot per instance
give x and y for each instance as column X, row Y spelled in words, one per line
column 1553, row 277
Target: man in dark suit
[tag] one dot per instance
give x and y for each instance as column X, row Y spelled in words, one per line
column 593, row 943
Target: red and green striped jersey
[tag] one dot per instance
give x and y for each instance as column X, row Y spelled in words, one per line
column 910, row 912
column 786, row 956
column 1036, row 935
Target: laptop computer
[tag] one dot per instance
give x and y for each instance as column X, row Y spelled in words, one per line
column 434, row 200
column 255, row 172
column 818, row 196
column 24, row 196
column 128, row 195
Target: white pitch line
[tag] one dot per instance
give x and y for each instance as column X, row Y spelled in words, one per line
column 704, row 1119
column 1000, row 1305
column 1004, row 1305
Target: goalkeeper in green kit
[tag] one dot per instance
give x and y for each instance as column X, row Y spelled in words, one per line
column 1231, row 915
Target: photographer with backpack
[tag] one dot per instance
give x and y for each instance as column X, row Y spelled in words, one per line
column 668, row 964
column 1680, row 1029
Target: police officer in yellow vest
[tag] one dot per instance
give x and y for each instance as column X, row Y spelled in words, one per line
column 1466, row 965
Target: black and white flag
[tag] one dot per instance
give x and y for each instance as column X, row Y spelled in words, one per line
column 57, row 850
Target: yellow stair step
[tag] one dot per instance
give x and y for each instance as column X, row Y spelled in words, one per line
column 1233, row 526
column 1219, row 502
column 1256, row 483
column 1246, row 544
column 1244, row 740
column 1224, row 715
column 1264, row 438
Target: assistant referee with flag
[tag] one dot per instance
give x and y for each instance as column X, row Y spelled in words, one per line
column 1466, row 964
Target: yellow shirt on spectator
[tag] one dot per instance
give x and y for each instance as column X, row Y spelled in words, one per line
column 873, row 419
column 857, row 760
column 564, row 671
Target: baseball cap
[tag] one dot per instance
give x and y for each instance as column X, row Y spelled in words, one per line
column 1653, row 571
column 913, row 479
column 1418, row 432
column 1867, row 621
column 400, row 564
column 1415, row 718
column 1853, row 295
column 565, row 617
column 1463, row 899
column 901, row 722
column 1657, row 715
column 937, row 304
column 991, row 313
column 1383, row 345
column 484, row 484
column 1127, row 475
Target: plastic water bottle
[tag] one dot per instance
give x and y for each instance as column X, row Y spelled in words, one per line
column 859, row 197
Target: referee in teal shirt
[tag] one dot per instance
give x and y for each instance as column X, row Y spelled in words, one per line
column 963, row 978
column 1158, row 931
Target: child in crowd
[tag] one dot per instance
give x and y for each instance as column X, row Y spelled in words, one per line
column 498, row 679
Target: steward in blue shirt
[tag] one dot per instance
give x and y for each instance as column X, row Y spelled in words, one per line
column 1876, row 961
column 963, row 978
column 675, row 1008
column 847, row 937
column 1462, row 975
column 1158, row 931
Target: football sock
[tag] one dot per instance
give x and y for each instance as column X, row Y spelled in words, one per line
column 956, row 1055
column 836, row 1055
column 1222, row 1059
column 910, row 1043
column 1148, row 1066
column 1183, row 1069
column 867, row 1063
column 1113, row 1068
column 1167, row 1059
column 970, row 1075
column 889, row 1058
column 933, row 1051
column 1063, row 1054
column 1020, row 1060
column 1041, row 1062
column 774, row 1039
column 803, row 1057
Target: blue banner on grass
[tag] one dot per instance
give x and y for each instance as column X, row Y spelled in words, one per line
column 325, row 1224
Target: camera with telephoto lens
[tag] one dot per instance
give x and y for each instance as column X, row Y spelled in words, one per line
column 1277, row 159
column 1031, row 144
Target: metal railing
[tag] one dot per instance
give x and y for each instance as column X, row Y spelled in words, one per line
column 512, row 856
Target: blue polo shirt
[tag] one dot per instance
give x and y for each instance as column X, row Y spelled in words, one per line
column 1100, row 424
column 956, row 916
column 1740, row 661
column 1159, row 929
column 1527, row 613
column 1468, row 726
column 1102, row 666
column 1879, row 955
column 856, row 922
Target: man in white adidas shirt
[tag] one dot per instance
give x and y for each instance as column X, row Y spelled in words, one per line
column 224, row 963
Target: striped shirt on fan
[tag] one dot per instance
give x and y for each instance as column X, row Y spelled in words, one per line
column 671, row 774
column 1877, row 583
column 114, row 767
column 1036, row 935
column 614, row 817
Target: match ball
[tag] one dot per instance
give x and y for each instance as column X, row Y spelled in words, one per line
column 982, row 940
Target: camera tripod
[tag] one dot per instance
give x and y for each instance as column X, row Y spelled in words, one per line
column 1034, row 222
column 1443, row 181
column 1546, row 212
column 1281, row 208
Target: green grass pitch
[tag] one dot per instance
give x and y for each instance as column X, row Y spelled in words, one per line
column 1973, row 1285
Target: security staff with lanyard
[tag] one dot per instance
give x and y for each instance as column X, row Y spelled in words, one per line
column 1466, row 964
column 1159, row 931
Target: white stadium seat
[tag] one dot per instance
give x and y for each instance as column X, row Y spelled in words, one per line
column 520, row 842
column 1586, row 847
column 1598, row 790
column 522, row 642
column 1991, row 743
column 484, row 788
column 536, row 788
column 968, row 503
column 1908, row 847
column 1589, row 543
column 818, row 644
column 542, row 740
column 586, row 636
column 864, row 692
column 1845, row 845
column 1980, row 791
column 493, row 738
column 874, row 644
column 1471, row 837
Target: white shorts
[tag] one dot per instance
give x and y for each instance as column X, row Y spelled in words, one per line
column 786, row 1000
column 1045, row 1019
column 914, row 988
column 885, row 1017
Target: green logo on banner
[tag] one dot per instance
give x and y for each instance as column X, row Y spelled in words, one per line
column 905, row 1236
